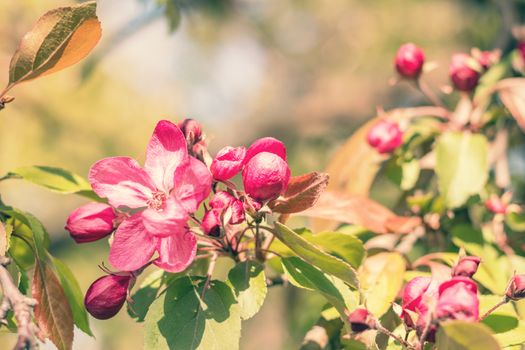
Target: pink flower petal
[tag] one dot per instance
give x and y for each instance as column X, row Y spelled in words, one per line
column 122, row 181
column 166, row 221
column 165, row 154
column 132, row 245
column 194, row 185
column 176, row 252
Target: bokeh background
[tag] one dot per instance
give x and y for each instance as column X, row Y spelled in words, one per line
column 305, row 71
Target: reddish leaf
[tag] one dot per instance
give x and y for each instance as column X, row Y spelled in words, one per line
column 512, row 94
column 359, row 210
column 302, row 193
column 53, row 313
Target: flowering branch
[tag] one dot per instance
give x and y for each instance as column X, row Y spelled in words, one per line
column 20, row 305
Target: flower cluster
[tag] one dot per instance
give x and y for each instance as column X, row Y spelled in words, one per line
column 426, row 302
column 149, row 209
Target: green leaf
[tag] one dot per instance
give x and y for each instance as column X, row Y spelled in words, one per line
column 516, row 221
column 303, row 275
column 74, row 295
column 462, row 166
column 249, row 283
column 148, row 291
column 55, row 179
column 59, row 39
column 39, row 236
column 459, row 335
column 187, row 318
column 315, row 256
column 381, row 279
column 341, row 245
column 403, row 173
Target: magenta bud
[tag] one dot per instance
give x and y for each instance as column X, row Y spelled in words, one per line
column 211, row 223
column 266, row 144
column 486, row 58
column 106, row 295
column 496, row 205
column 409, row 61
column 191, row 129
column 265, row 176
column 516, row 288
column 221, row 200
column 361, row 320
column 412, row 299
column 228, row 162
column 385, row 136
column 91, row 222
column 466, row 266
column 237, row 208
column 458, row 300
column 462, row 73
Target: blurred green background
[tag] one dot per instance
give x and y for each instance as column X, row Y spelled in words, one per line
column 306, row 71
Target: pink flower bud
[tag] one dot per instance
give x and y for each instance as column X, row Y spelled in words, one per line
column 409, row 61
column 228, row 162
column 516, row 288
column 211, row 223
column 191, row 129
column 466, row 266
column 266, row 144
column 265, row 176
column 385, row 136
column 496, row 205
column 106, row 295
column 223, row 201
column 237, row 208
column 463, row 75
column 361, row 320
column 458, row 300
column 91, row 222
column 412, row 299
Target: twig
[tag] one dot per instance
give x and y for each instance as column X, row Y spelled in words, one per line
column 211, row 268
column 21, row 306
column 400, row 340
column 492, row 309
column 427, row 91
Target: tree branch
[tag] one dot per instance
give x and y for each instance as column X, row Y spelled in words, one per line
column 22, row 307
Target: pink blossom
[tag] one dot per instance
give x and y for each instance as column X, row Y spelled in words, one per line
column 223, row 202
column 211, row 223
column 228, row 162
column 91, row 222
column 161, row 196
column 412, row 299
column 106, row 295
column 409, row 60
column 385, row 136
column 265, row 176
column 458, row 300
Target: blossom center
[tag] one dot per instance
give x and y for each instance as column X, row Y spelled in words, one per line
column 157, row 201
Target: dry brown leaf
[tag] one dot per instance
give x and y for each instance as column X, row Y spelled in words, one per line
column 302, row 193
column 359, row 210
column 53, row 313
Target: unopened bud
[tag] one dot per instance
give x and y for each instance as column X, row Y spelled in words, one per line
column 516, row 288
column 385, row 136
column 211, row 223
column 191, row 129
column 265, row 176
column 361, row 320
column 228, row 162
column 462, row 72
column 466, row 266
column 106, row 295
column 496, row 205
column 91, row 222
column 409, row 61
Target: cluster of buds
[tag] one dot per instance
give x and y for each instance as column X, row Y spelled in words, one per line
column 265, row 176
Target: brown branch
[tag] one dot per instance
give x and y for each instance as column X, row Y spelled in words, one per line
column 22, row 307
